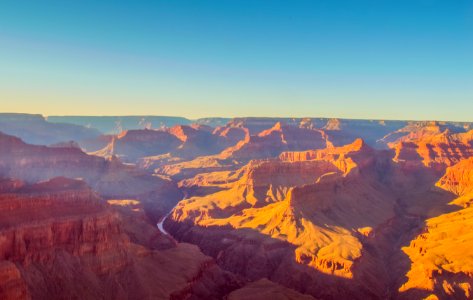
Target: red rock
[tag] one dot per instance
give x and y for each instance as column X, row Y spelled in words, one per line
column 12, row 285
column 436, row 151
column 59, row 240
column 110, row 178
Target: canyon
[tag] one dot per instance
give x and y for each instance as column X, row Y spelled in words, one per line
column 242, row 208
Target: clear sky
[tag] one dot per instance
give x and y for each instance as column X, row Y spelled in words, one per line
column 399, row 59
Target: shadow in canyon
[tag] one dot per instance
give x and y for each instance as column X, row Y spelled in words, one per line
column 377, row 274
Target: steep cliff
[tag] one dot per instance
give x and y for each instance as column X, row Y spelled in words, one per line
column 109, row 177
column 288, row 218
column 273, row 141
column 436, row 151
column 441, row 264
column 59, row 240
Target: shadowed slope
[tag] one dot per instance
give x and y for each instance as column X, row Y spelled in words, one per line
column 58, row 240
column 110, row 178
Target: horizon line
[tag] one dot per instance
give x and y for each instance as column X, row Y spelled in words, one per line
column 236, row 117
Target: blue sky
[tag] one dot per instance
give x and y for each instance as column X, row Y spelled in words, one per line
column 403, row 59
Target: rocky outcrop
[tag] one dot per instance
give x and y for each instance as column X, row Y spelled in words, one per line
column 345, row 158
column 271, row 142
column 110, row 178
column 458, row 178
column 296, row 135
column 199, row 141
column 343, row 131
column 440, row 264
column 286, row 216
column 233, row 134
column 57, row 220
column 419, row 130
column 436, row 151
column 59, row 240
column 12, row 285
column 152, row 149
column 311, row 204
column 130, row 145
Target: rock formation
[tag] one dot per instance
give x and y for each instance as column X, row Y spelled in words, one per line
column 308, row 216
column 110, row 178
column 59, row 240
column 441, row 265
column 290, row 208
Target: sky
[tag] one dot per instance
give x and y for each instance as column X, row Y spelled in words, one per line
column 368, row 59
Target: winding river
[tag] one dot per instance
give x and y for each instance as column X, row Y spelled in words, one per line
column 160, row 224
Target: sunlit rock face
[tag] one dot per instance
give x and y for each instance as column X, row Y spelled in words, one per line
column 331, row 216
column 458, row 178
column 434, row 149
column 241, row 147
column 309, row 216
column 257, row 138
column 299, row 207
column 440, row 254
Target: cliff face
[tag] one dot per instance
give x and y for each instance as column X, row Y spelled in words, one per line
column 268, row 138
column 273, row 141
column 441, row 264
column 342, row 131
column 306, row 203
column 131, row 145
column 419, row 130
column 201, row 141
column 345, row 158
column 328, row 222
column 436, row 151
column 109, row 177
column 12, row 285
column 154, row 148
column 458, row 178
column 59, row 240
column 57, row 223
column 282, row 218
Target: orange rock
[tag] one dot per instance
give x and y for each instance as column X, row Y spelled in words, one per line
column 291, row 213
